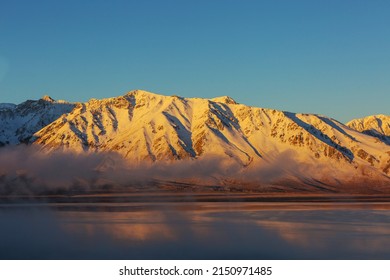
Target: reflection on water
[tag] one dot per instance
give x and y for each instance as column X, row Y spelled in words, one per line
column 195, row 230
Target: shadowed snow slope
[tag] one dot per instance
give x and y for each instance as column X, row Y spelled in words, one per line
column 256, row 145
column 18, row 123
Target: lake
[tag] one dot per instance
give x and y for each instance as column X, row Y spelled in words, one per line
column 193, row 226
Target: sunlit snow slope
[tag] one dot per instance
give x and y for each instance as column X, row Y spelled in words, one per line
column 308, row 149
column 377, row 126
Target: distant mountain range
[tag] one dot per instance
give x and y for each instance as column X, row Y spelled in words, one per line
column 308, row 150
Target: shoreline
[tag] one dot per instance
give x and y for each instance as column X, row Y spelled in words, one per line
column 173, row 197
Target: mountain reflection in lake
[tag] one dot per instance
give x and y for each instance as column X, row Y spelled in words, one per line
column 195, row 230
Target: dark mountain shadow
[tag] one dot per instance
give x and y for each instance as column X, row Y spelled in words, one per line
column 337, row 127
column 320, row 136
column 230, row 120
column 81, row 135
column 183, row 133
column 380, row 123
column 372, row 132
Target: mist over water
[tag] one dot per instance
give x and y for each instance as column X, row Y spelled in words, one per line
column 194, row 231
column 87, row 221
column 29, row 171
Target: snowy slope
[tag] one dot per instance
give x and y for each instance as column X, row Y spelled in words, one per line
column 377, row 126
column 237, row 143
column 145, row 126
column 18, row 123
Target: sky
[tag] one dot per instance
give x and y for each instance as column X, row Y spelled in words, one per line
column 330, row 57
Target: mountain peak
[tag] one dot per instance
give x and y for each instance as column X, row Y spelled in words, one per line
column 140, row 92
column 224, row 99
column 375, row 125
column 47, row 98
column 380, row 117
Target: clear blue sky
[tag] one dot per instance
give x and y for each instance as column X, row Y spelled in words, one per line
column 330, row 57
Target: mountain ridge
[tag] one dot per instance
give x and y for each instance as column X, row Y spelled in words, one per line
column 19, row 122
column 256, row 144
column 376, row 125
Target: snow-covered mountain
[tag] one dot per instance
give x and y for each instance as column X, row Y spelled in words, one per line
column 377, row 126
column 301, row 151
column 18, row 123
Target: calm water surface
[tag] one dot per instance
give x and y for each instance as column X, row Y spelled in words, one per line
column 195, row 230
